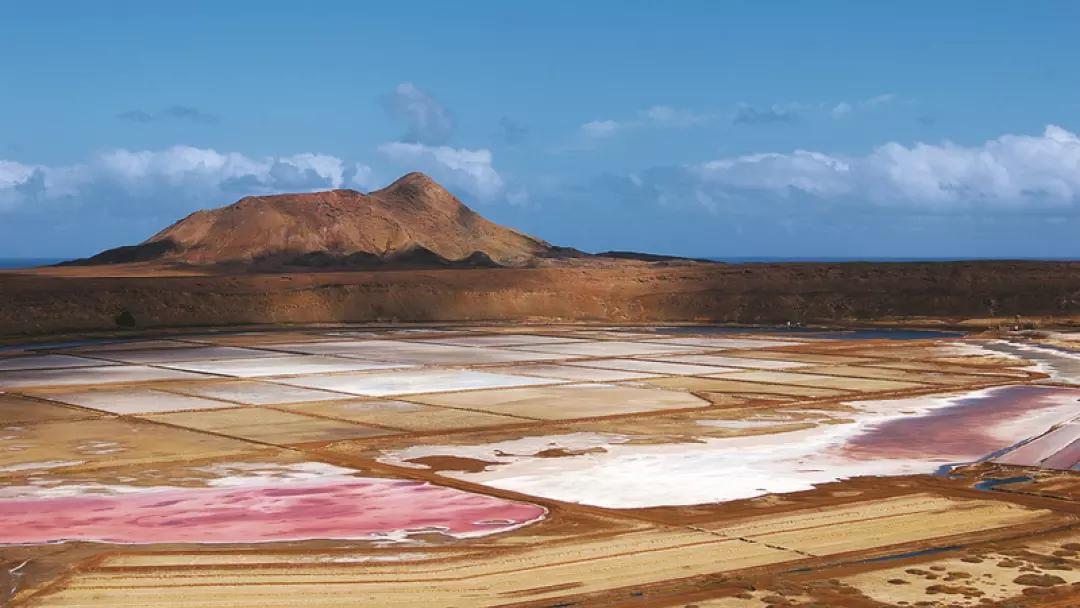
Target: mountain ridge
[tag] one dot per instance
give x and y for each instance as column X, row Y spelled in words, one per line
column 412, row 221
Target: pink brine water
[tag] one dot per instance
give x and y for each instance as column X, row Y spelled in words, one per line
column 343, row 508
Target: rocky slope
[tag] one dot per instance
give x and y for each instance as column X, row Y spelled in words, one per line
column 414, row 221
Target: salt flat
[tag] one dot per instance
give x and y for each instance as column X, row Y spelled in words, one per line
column 187, row 353
column 47, row 362
column 104, row 443
column 91, row 375
column 412, row 382
column 107, row 346
column 1041, row 449
column 281, row 366
column 819, row 381
column 417, row 353
column 624, row 448
column 611, row 348
column 884, row 373
column 721, row 343
column 799, row 357
column 404, row 415
column 654, row 367
column 566, row 401
column 883, row 437
column 722, row 385
column 504, row 340
column 135, row 400
column 269, row 426
column 255, row 393
column 574, row 373
column 15, row 410
column 732, row 361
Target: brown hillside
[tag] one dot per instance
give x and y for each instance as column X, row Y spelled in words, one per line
column 409, row 221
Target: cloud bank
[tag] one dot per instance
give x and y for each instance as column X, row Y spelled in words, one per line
column 122, row 195
column 169, row 178
column 1012, row 172
column 182, row 178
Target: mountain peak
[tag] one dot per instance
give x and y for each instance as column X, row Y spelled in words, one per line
column 415, row 177
column 416, row 183
column 412, row 214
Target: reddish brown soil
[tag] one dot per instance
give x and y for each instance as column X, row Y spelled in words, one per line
column 94, row 298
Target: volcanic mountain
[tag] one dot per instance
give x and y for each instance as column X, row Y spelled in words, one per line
column 412, row 221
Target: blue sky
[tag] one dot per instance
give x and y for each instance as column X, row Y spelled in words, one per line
column 916, row 129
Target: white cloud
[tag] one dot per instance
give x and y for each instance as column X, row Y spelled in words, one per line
column 845, row 108
column 810, row 172
column 470, row 170
column 171, row 177
column 841, row 109
column 121, row 196
column 15, row 178
column 599, row 129
column 427, row 120
column 666, row 116
column 1010, row 172
column 12, row 173
column 200, row 168
column 328, row 168
column 362, row 176
column 655, row 116
column 181, row 178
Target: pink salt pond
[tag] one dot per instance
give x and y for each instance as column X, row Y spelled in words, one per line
column 343, row 508
column 970, row 426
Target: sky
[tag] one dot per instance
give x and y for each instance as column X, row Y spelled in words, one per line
column 700, row 128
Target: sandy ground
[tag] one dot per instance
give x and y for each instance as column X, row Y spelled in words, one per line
column 109, row 298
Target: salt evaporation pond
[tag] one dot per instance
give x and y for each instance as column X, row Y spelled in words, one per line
column 820, row 333
column 1061, row 364
column 325, row 503
column 909, row 436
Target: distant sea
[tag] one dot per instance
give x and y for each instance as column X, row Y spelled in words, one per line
column 8, row 263
column 764, row 260
column 29, row 262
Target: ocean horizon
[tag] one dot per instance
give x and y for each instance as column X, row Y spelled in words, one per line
column 15, row 263
column 775, row 259
column 10, row 263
